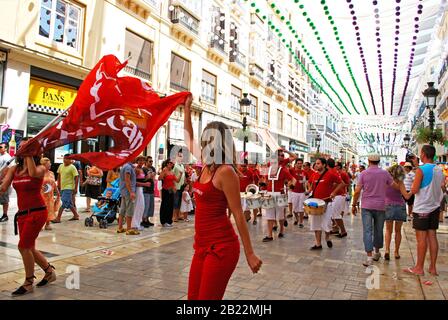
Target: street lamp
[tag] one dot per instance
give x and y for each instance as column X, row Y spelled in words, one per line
column 318, row 140
column 245, row 103
column 431, row 94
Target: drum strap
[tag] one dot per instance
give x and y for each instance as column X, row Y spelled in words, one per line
column 317, row 183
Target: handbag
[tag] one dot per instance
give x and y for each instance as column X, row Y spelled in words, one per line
column 93, row 181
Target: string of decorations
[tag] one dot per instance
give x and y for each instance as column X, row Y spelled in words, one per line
column 397, row 38
column 283, row 39
column 380, row 57
column 411, row 58
column 305, row 50
column 341, row 47
column 312, row 25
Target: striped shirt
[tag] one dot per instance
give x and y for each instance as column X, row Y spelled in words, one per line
column 408, row 180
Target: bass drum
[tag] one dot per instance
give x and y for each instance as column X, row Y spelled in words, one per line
column 253, row 202
column 314, row 206
column 267, row 202
column 281, row 200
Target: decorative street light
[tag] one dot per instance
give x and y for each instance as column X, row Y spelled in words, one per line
column 318, row 140
column 431, row 94
column 245, row 103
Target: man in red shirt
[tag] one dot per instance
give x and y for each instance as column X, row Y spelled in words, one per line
column 246, row 178
column 338, row 203
column 309, row 172
column 277, row 175
column 298, row 192
column 322, row 185
column 256, row 174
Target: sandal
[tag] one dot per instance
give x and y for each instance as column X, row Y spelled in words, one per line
column 132, row 232
column 409, row 270
column 22, row 289
column 73, row 219
column 49, row 277
column 121, row 230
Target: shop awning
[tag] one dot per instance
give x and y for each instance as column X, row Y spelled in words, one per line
column 267, row 137
column 250, row 147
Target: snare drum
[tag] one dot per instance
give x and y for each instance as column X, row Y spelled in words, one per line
column 267, row 202
column 314, row 206
column 281, row 200
column 253, row 201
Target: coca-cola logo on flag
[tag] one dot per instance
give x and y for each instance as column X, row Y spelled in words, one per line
column 124, row 108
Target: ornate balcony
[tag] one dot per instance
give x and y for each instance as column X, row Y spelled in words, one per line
column 217, row 49
column 137, row 72
column 185, row 25
column 237, row 62
column 256, row 74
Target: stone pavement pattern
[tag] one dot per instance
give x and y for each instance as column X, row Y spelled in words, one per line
column 155, row 264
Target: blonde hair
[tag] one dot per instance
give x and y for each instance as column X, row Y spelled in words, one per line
column 43, row 161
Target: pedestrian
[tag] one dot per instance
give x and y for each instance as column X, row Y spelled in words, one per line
column 49, row 188
column 298, row 192
column 93, row 185
column 179, row 171
column 4, row 196
column 148, row 193
column 216, row 244
column 168, row 179
column 128, row 185
column 325, row 185
column 139, row 209
column 277, row 176
column 395, row 210
column 408, row 180
column 428, row 188
column 27, row 178
column 246, row 178
column 112, row 175
column 81, row 188
column 187, row 205
column 68, row 184
column 373, row 183
column 339, row 200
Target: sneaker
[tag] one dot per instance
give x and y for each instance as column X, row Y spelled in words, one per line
column 4, row 219
column 267, row 239
column 281, row 235
column 167, row 225
column 329, row 244
column 368, row 262
column 316, row 247
column 296, row 223
column 274, row 228
column 376, row 256
column 301, row 226
column 305, row 217
column 289, row 215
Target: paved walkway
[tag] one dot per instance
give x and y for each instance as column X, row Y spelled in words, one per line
column 155, row 265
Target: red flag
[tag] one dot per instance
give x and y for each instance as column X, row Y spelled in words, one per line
column 124, row 108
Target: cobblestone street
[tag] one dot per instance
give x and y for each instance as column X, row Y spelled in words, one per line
column 155, row 265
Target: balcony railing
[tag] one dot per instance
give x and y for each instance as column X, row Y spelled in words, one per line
column 178, row 87
column 443, row 106
column 180, row 15
column 281, row 89
column 154, row 3
column 238, row 57
column 256, row 71
column 137, row 72
column 218, row 42
column 444, row 69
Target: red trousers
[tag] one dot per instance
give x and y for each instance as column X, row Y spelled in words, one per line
column 211, row 269
column 29, row 228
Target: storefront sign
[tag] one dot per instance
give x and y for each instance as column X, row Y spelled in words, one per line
column 51, row 95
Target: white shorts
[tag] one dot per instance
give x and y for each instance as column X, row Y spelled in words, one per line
column 277, row 213
column 297, row 201
column 322, row 222
column 347, row 205
column 290, row 196
column 244, row 204
column 338, row 205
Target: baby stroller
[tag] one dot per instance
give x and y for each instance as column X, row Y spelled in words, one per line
column 106, row 213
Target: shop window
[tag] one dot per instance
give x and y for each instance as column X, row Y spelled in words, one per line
column 60, row 21
column 180, row 73
column 208, row 87
column 140, row 50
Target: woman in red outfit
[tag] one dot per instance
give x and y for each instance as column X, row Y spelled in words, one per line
column 168, row 189
column 216, row 244
column 27, row 178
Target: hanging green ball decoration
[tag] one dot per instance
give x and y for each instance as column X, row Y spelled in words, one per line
column 288, row 23
column 257, row 10
column 301, row 6
column 273, row 5
column 253, row 4
column 282, row 18
column 304, row 14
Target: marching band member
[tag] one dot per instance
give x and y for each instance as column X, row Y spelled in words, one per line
column 322, row 185
column 298, row 192
column 277, row 175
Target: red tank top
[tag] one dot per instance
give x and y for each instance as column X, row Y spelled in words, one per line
column 211, row 222
column 28, row 191
column 168, row 182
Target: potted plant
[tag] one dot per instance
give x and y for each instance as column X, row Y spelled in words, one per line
column 424, row 135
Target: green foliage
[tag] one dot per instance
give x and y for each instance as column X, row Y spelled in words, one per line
column 424, row 135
